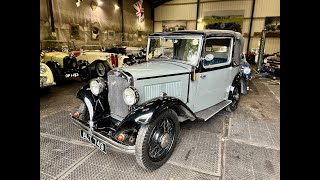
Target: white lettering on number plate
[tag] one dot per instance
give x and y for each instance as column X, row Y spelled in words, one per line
column 72, row 75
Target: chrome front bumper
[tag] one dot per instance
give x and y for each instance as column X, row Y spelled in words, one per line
column 111, row 144
column 43, row 82
column 47, row 84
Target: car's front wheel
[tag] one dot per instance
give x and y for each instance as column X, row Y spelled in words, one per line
column 84, row 72
column 56, row 73
column 156, row 140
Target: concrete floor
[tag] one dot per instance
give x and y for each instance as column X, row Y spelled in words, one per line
column 244, row 144
column 60, row 97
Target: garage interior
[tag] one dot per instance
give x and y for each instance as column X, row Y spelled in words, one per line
column 243, row 144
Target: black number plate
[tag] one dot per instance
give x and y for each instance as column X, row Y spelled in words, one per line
column 71, row 75
column 102, row 146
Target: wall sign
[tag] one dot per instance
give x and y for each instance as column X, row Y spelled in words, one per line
column 228, row 20
column 272, row 24
column 168, row 26
column 95, row 31
column 111, row 34
column 74, row 31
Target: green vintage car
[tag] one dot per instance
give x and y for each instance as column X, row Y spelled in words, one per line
column 137, row 109
column 86, row 63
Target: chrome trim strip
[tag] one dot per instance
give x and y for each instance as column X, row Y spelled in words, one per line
column 89, row 106
column 47, row 84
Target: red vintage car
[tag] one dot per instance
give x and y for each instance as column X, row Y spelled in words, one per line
column 272, row 63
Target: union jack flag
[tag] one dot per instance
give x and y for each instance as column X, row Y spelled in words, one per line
column 139, row 10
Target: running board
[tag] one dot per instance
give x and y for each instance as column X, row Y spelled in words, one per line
column 209, row 112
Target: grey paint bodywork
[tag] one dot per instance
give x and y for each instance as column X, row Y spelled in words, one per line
column 153, row 77
column 173, row 77
column 154, row 68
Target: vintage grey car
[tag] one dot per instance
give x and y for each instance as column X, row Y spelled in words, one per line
column 188, row 75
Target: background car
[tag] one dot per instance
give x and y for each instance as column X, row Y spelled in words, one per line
column 88, row 62
column 272, row 64
column 46, row 76
column 134, row 54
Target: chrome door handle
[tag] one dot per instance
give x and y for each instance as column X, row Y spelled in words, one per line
column 203, row 75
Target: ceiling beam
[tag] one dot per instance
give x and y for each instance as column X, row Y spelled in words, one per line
column 156, row 3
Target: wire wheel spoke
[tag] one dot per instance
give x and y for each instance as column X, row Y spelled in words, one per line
column 161, row 140
column 154, row 151
column 166, row 126
column 101, row 69
column 235, row 97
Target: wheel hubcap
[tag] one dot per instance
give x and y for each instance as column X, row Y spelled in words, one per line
column 235, row 97
column 165, row 140
column 101, row 69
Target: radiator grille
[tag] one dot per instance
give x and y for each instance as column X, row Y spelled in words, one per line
column 70, row 62
column 172, row 89
column 116, row 86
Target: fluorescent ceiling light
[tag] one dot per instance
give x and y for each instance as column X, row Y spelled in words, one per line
column 99, row 3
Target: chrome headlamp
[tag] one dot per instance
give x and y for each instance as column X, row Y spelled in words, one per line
column 42, row 53
column 130, row 96
column 97, row 85
column 246, row 70
column 43, row 69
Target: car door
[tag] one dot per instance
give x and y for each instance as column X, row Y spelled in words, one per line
column 215, row 68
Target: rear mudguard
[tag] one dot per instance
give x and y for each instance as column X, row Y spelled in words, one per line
column 100, row 105
column 242, row 83
column 149, row 110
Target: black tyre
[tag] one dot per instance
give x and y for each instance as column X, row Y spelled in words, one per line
column 157, row 140
column 57, row 73
column 101, row 69
column 83, row 112
column 58, row 76
column 84, row 72
column 234, row 96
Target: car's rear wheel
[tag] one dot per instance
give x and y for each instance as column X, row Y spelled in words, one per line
column 101, row 69
column 157, row 140
column 234, row 96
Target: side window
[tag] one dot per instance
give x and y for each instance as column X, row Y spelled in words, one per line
column 217, row 52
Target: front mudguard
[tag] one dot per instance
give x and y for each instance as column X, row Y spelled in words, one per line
column 100, row 105
column 85, row 92
column 148, row 111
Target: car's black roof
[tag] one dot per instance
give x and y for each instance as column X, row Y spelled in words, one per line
column 211, row 32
